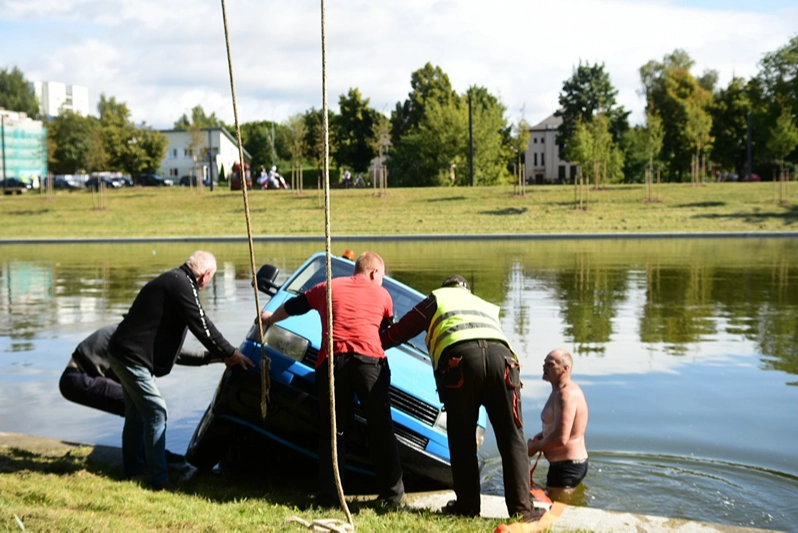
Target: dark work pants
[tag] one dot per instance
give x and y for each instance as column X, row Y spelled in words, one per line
column 369, row 378
column 99, row 392
column 487, row 379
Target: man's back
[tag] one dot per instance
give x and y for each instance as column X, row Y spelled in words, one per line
column 359, row 308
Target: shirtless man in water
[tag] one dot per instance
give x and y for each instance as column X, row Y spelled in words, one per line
column 564, row 418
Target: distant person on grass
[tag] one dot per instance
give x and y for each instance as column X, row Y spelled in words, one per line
column 564, row 418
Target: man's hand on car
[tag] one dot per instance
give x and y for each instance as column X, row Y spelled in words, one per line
column 238, row 359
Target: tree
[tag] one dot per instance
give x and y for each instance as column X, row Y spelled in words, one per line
column 428, row 84
column 783, row 137
column 586, row 93
column 16, row 93
column 698, row 129
column 295, row 129
column 354, row 131
column 668, row 86
column 198, row 119
column 73, row 144
column 314, row 135
column 729, row 111
column 130, row 148
column 518, row 142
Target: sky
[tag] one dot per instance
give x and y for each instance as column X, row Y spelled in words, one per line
column 164, row 57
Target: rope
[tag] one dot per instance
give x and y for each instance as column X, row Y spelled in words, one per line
column 322, row 524
column 327, row 243
column 265, row 362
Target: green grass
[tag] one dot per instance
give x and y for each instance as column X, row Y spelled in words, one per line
column 73, row 493
column 181, row 212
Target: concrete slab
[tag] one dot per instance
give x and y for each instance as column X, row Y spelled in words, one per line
column 572, row 518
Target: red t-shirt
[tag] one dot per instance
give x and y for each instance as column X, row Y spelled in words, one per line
column 359, row 307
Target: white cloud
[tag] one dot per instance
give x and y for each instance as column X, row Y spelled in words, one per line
column 162, row 58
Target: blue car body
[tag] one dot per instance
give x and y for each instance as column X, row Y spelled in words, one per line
column 292, row 420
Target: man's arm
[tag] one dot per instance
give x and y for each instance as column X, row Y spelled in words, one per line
column 564, row 417
column 188, row 357
column 298, row 305
column 414, row 322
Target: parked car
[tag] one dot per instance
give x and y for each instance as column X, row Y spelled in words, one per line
column 14, row 185
column 232, row 426
column 61, row 182
column 110, row 183
column 186, row 180
column 123, row 181
column 153, row 180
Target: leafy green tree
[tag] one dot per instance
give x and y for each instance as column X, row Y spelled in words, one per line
column 783, row 137
column 72, row 139
column 295, row 136
column 668, row 86
column 16, row 93
column 729, row 111
column 314, row 135
column 586, row 93
column 354, row 131
column 267, row 143
column 699, row 127
column 199, row 119
column 130, row 148
column 428, row 84
column 518, row 142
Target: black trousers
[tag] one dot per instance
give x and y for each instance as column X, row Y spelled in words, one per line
column 369, row 378
column 474, row 373
column 99, row 392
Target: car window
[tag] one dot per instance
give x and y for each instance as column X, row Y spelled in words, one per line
column 403, row 299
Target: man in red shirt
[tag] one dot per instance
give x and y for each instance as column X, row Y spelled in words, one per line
column 360, row 307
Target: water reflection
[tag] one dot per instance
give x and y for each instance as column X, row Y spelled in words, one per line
column 683, row 348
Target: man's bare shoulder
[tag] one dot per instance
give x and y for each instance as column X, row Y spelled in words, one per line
column 572, row 392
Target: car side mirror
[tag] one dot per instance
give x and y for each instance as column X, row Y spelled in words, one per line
column 265, row 277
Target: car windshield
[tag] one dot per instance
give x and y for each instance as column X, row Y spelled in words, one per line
column 403, row 299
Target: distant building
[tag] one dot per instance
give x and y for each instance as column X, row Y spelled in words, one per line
column 23, row 147
column 54, row 97
column 543, row 163
column 213, row 151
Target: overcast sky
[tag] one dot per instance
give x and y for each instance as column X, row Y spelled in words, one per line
column 164, row 57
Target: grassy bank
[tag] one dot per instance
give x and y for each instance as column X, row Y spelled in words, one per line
column 71, row 492
column 180, row 212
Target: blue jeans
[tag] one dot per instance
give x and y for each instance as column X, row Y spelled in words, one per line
column 145, row 423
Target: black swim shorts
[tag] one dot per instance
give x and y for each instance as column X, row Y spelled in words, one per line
column 566, row 474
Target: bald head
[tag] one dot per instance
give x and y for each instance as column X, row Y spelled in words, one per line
column 370, row 265
column 562, row 357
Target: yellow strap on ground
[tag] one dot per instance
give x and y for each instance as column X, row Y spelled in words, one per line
column 545, row 522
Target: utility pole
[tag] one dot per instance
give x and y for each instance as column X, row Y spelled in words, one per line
column 210, row 161
column 470, row 141
column 749, row 163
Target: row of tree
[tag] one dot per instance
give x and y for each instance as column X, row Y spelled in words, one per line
column 432, row 137
column 692, row 127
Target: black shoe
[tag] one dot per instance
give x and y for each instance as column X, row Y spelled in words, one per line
column 455, row 509
column 174, row 458
column 165, row 486
column 535, row 515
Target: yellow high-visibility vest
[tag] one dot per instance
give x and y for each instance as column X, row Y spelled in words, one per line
column 461, row 316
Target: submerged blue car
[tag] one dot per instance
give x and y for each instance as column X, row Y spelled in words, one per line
column 292, row 422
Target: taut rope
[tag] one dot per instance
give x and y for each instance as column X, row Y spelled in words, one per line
column 327, row 243
column 326, row 166
column 265, row 362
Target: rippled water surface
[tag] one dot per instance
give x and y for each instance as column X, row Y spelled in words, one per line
column 687, row 351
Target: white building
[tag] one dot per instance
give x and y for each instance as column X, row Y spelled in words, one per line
column 212, row 152
column 543, row 163
column 54, row 97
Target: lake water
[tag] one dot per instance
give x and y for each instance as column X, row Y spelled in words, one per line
column 687, row 350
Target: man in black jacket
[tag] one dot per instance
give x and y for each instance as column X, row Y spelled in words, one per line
column 145, row 346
